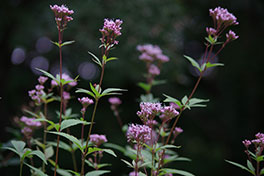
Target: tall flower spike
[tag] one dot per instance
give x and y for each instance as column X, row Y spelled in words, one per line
column 139, row 133
column 62, row 15
column 110, row 31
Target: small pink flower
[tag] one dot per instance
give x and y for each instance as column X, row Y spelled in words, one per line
column 97, row 139
column 114, row 101
column 42, row 79
column 85, row 101
column 139, row 133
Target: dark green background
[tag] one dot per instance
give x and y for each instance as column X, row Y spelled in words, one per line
column 235, row 91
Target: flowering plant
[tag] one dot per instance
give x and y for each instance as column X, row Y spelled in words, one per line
column 150, row 146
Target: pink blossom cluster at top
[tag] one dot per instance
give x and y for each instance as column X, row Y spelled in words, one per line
column 114, row 101
column 139, row 133
column 97, row 139
column 150, row 53
column 110, row 31
column 222, row 19
column 66, row 77
column 62, row 15
column 259, row 141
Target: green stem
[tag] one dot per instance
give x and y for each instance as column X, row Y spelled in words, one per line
column 61, row 103
column 44, row 136
column 21, row 167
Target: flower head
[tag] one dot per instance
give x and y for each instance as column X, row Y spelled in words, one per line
column 246, row 143
column 62, row 15
column 222, row 17
column 168, row 112
column 110, row 31
column 66, row 77
column 30, row 122
column 148, row 110
column 154, row 70
column 150, row 53
column 139, row 133
column 114, row 101
column 66, row 95
column 97, row 139
column 42, row 80
column 231, row 36
column 85, row 101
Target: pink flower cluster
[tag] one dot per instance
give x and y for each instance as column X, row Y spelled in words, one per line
column 259, row 141
column 62, row 15
column 148, row 110
column 139, row 133
column 36, row 93
column 150, row 53
column 97, row 139
column 66, row 77
column 168, row 112
column 42, row 80
column 85, row 101
column 231, row 35
column 29, row 123
column 114, row 101
column 110, row 31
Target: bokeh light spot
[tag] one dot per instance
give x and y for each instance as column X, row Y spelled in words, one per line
column 18, row 56
column 39, row 62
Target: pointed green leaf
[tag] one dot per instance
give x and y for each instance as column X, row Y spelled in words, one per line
column 63, row 172
column 72, row 122
column 144, row 86
column 95, row 59
column 38, row 171
column 250, row 166
column 31, row 113
column 193, row 62
column 175, row 171
column 75, row 173
column 47, row 74
column 173, row 100
column 13, row 150
column 67, row 43
column 85, row 91
column 62, row 145
column 55, row 43
column 111, row 58
column 184, row 100
column 112, row 91
column 97, row 94
column 70, row 138
column 208, row 65
column 40, row 155
column 127, row 163
column 19, row 146
column 97, row 173
column 240, row 166
column 109, row 151
column 114, row 146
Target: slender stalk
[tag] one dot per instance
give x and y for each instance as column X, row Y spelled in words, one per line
column 137, row 159
column 44, row 136
column 21, row 167
column 88, row 137
column 61, row 103
column 257, row 170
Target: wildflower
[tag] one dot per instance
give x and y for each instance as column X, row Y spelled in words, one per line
column 247, row 143
column 133, row 173
column 42, row 79
column 114, row 101
column 139, row 133
column 168, row 112
column 231, row 36
column 85, row 101
column 211, row 31
column 39, row 87
column 66, row 77
column 259, row 135
column 222, row 17
column 66, row 95
column 148, row 110
column 177, row 130
column 30, row 121
column 110, row 31
column 151, row 122
column 62, row 15
column 97, row 139
column 174, row 105
column 150, row 53
column 154, row 70
column 26, row 130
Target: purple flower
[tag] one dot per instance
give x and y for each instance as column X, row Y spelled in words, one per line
column 148, row 110
column 177, row 130
column 62, row 15
column 247, row 143
column 174, row 105
column 26, row 130
column 30, row 121
column 231, row 36
column 97, row 139
column 66, row 77
column 134, row 173
column 139, row 133
column 259, row 135
column 151, row 122
column 39, row 87
column 114, row 101
column 168, row 112
column 66, row 95
column 211, row 31
column 222, row 17
column 150, row 53
column 154, row 70
column 42, row 79
column 85, row 101
column 110, row 31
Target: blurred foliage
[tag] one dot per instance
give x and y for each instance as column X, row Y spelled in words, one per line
column 178, row 27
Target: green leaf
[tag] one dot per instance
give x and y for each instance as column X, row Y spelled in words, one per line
column 62, row 145
column 72, row 122
column 96, row 93
column 110, row 59
column 173, row 100
column 49, row 152
column 48, row 75
column 193, row 62
column 194, row 102
column 144, row 86
column 85, row 91
column 167, row 147
column 97, row 173
column 31, row 113
column 112, row 91
column 114, row 146
column 127, row 163
column 70, row 138
column 240, row 166
column 19, row 146
column 67, row 43
column 27, row 153
column 103, row 165
column 13, row 150
column 95, row 59
column 260, row 158
column 208, row 65
column 75, row 173
column 175, row 171
column 109, row 151
column 63, row 172
column 40, row 155
column 262, row 171
column 55, row 43
column 158, row 82
column 38, row 171
column 250, row 166
column 184, row 100
column 53, row 125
